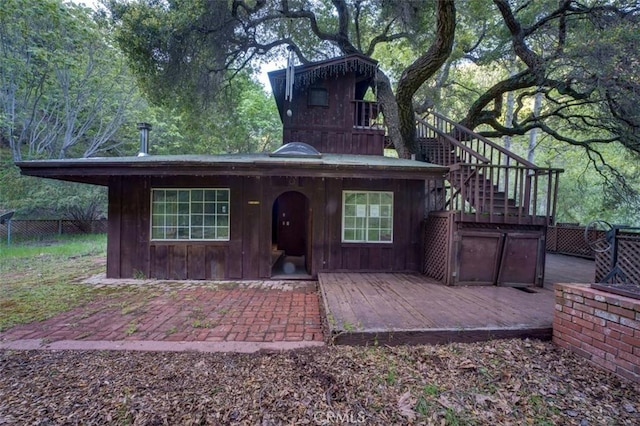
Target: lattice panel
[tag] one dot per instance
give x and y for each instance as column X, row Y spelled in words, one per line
column 603, row 265
column 569, row 239
column 436, row 243
column 628, row 259
column 551, row 240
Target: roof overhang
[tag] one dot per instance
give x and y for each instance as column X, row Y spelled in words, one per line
column 307, row 74
column 97, row 171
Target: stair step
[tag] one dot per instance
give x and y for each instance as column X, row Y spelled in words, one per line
column 500, row 210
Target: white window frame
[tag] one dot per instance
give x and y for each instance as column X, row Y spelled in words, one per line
column 220, row 209
column 371, row 212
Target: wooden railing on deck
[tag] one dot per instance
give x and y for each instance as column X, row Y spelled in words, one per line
column 366, row 115
column 487, row 180
column 441, row 126
column 523, row 195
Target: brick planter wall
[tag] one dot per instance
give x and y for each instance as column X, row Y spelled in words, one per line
column 599, row 326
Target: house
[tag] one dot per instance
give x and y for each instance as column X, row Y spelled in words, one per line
column 327, row 200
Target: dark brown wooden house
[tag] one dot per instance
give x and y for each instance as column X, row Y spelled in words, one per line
column 327, row 200
column 328, row 109
column 295, row 212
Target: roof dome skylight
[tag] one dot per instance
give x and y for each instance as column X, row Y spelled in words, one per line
column 296, row 150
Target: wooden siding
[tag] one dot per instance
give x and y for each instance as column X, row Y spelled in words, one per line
column 247, row 254
column 467, row 253
column 128, row 229
column 330, row 129
column 337, row 115
column 339, row 141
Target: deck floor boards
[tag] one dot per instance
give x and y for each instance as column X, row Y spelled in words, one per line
column 388, row 308
column 560, row 268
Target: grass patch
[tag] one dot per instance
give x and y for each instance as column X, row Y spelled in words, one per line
column 131, row 328
column 64, row 245
column 40, row 279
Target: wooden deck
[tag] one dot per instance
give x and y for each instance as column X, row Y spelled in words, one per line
column 560, row 268
column 385, row 308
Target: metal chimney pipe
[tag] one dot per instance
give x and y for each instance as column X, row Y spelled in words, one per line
column 144, row 128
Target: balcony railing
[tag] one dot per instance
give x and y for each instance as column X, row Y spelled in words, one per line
column 367, row 115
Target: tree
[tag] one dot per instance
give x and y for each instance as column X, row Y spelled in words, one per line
column 577, row 67
column 64, row 90
column 244, row 120
column 208, row 42
column 35, row 198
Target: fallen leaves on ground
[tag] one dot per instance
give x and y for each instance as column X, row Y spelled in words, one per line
column 492, row 383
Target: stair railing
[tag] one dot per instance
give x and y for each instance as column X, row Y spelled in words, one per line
column 527, row 195
column 495, row 153
column 487, row 180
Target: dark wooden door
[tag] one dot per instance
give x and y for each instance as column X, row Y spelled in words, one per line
column 522, row 260
column 477, row 258
column 291, row 216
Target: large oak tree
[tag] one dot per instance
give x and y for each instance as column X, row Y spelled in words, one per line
column 580, row 55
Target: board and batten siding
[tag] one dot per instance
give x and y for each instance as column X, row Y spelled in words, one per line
column 330, row 129
column 247, row 254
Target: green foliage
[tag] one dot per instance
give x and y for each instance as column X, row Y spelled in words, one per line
column 186, row 56
column 248, row 123
column 65, row 88
column 590, row 190
column 176, row 49
column 195, row 109
column 35, row 198
column 594, row 185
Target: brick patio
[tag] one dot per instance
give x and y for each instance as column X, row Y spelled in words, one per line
column 211, row 312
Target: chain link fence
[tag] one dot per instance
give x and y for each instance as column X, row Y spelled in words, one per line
column 22, row 230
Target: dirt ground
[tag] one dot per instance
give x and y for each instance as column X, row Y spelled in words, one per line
column 489, row 383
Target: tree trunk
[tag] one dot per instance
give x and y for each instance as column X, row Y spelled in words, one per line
column 508, row 118
column 508, row 114
column 533, row 135
column 387, row 101
column 422, row 69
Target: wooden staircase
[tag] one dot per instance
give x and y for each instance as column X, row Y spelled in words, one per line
column 487, row 182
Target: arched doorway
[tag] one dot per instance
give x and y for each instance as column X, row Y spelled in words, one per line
column 291, row 236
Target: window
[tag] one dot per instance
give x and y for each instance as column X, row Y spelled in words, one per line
column 367, row 216
column 190, row 214
column 318, row 97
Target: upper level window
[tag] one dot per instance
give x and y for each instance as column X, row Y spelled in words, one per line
column 318, row 97
column 190, row 214
column 367, row 216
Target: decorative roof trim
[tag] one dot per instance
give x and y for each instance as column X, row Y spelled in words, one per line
column 308, row 74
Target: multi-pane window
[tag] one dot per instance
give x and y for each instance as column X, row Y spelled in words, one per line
column 190, row 214
column 367, row 216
